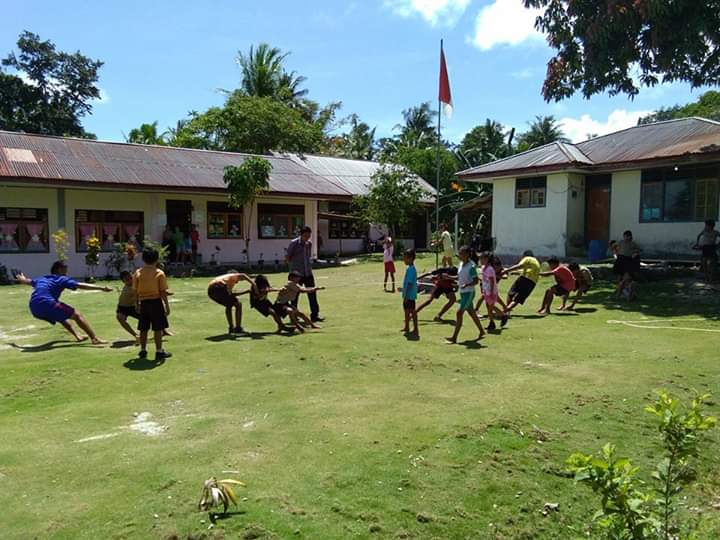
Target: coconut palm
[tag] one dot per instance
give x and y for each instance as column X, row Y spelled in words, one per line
column 418, row 129
column 264, row 75
column 543, row 130
column 146, row 134
column 359, row 142
column 483, row 144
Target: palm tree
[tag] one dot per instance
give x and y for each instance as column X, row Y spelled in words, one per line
column 483, row 144
column 543, row 130
column 418, row 128
column 264, row 75
column 358, row 143
column 146, row 134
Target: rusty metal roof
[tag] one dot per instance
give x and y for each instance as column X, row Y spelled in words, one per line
column 67, row 160
column 352, row 175
column 685, row 137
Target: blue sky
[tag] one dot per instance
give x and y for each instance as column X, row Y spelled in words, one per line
column 165, row 58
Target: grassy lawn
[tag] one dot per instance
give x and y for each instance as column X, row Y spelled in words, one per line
column 347, row 432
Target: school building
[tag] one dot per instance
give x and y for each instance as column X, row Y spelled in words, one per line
column 122, row 192
column 659, row 180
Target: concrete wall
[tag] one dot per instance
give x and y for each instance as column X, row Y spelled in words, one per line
column 656, row 239
column 539, row 229
column 575, row 227
column 152, row 204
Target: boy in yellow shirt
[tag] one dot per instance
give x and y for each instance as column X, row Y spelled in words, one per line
column 150, row 284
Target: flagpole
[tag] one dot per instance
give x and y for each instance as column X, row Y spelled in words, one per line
column 437, row 175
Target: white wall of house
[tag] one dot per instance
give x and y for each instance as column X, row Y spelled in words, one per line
column 575, row 228
column 541, row 229
column 152, row 204
column 654, row 238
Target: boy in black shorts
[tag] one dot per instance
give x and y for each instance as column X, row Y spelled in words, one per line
column 220, row 290
column 445, row 283
column 150, row 285
column 127, row 304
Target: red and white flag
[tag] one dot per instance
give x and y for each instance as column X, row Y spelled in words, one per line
column 444, row 94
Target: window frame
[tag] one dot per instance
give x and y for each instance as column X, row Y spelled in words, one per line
column 696, row 176
column 22, row 235
column 529, row 188
column 223, row 209
column 100, row 223
column 278, row 212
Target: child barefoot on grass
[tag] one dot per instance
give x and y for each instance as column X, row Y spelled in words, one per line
column 564, row 283
column 388, row 251
column 445, row 281
column 259, row 300
column 467, row 281
column 286, row 301
column 150, row 284
column 45, row 301
column 409, row 292
column 220, row 290
column 583, row 283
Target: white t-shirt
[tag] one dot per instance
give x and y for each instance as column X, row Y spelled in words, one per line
column 446, row 240
column 467, row 274
column 388, row 251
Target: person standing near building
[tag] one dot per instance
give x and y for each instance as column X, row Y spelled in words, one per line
column 445, row 241
column 299, row 257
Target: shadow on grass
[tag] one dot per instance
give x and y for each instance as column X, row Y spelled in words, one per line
column 412, row 336
column 143, row 364
column 45, row 347
column 472, row 344
column 584, row 310
column 248, row 335
column 214, row 518
column 447, row 322
column 122, row 344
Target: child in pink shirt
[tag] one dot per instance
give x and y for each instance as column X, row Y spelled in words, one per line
column 489, row 287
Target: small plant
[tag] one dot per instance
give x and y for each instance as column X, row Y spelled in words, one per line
column 92, row 257
column 162, row 250
column 62, row 244
column 629, row 510
column 122, row 256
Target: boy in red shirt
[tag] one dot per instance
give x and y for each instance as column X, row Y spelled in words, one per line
column 564, row 283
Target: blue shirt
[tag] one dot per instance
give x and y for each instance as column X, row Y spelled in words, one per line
column 409, row 287
column 49, row 288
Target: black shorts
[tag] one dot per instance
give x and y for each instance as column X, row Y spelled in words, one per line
column 626, row 265
column 152, row 315
column 282, row 309
column 559, row 291
column 128, row 311
column 220, row 294
column 521, row 289
column 264, row 306
column 439, row 291
column 409, row 305
column 709, row 252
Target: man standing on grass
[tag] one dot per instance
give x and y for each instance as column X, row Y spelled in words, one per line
column 445, row 241
column 299, row 257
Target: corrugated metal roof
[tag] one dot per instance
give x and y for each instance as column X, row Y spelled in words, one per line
column 350, row 174
column 662, row 140
column 133, row 165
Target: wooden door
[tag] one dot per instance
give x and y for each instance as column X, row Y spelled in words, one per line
column 597, row 209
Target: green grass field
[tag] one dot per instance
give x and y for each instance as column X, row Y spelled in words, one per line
column 351, row 431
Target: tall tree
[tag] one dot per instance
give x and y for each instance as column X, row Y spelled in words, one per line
column 543, row 130
column 358, row 142
column 146, row 134
column 601, row 43
column 483, row 144
column 264, row 75
column 707, row 106
column 46, row 91
column 418, row 127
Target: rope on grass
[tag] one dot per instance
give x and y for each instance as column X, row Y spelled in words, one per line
column 649, row 324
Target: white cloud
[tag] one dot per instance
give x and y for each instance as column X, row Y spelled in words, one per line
column 505, row 22
column 435, row 12
column 579, row 129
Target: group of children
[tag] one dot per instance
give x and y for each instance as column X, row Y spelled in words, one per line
column 144, row 297
column 487, row 270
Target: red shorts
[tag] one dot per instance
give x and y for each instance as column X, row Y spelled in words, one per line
column 389, row 267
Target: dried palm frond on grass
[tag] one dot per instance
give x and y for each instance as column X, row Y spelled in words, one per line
column 217, row 492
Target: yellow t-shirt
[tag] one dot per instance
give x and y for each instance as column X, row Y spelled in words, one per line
column 149, row 282
column 530, row 268
column 128, row 298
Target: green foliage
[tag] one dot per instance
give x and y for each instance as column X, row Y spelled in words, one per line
column 57, row 91
column 484, row 143
column 358, row 142
column 254, row 125
column 600, row 43
column 392, row 200
column 146, row 134
column 264, row 75
column 62, row 244
column 706, row 106
column 543, row 130
column 628, row 509
column 157, row 246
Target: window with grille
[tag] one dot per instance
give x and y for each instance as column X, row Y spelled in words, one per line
column 530, row 192
column 109, row 226
column 24, row 230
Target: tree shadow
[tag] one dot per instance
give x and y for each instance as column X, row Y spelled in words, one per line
column 49, row 346
column 143, row 364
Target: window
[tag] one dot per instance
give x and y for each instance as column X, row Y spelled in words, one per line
column 223, row 221
column 280, row 220
column 679, row 194
column 344, row 228
column 530, row 192
column 24, row 230
column 110, row 226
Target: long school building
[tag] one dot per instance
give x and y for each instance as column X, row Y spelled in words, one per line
column 123, row 192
